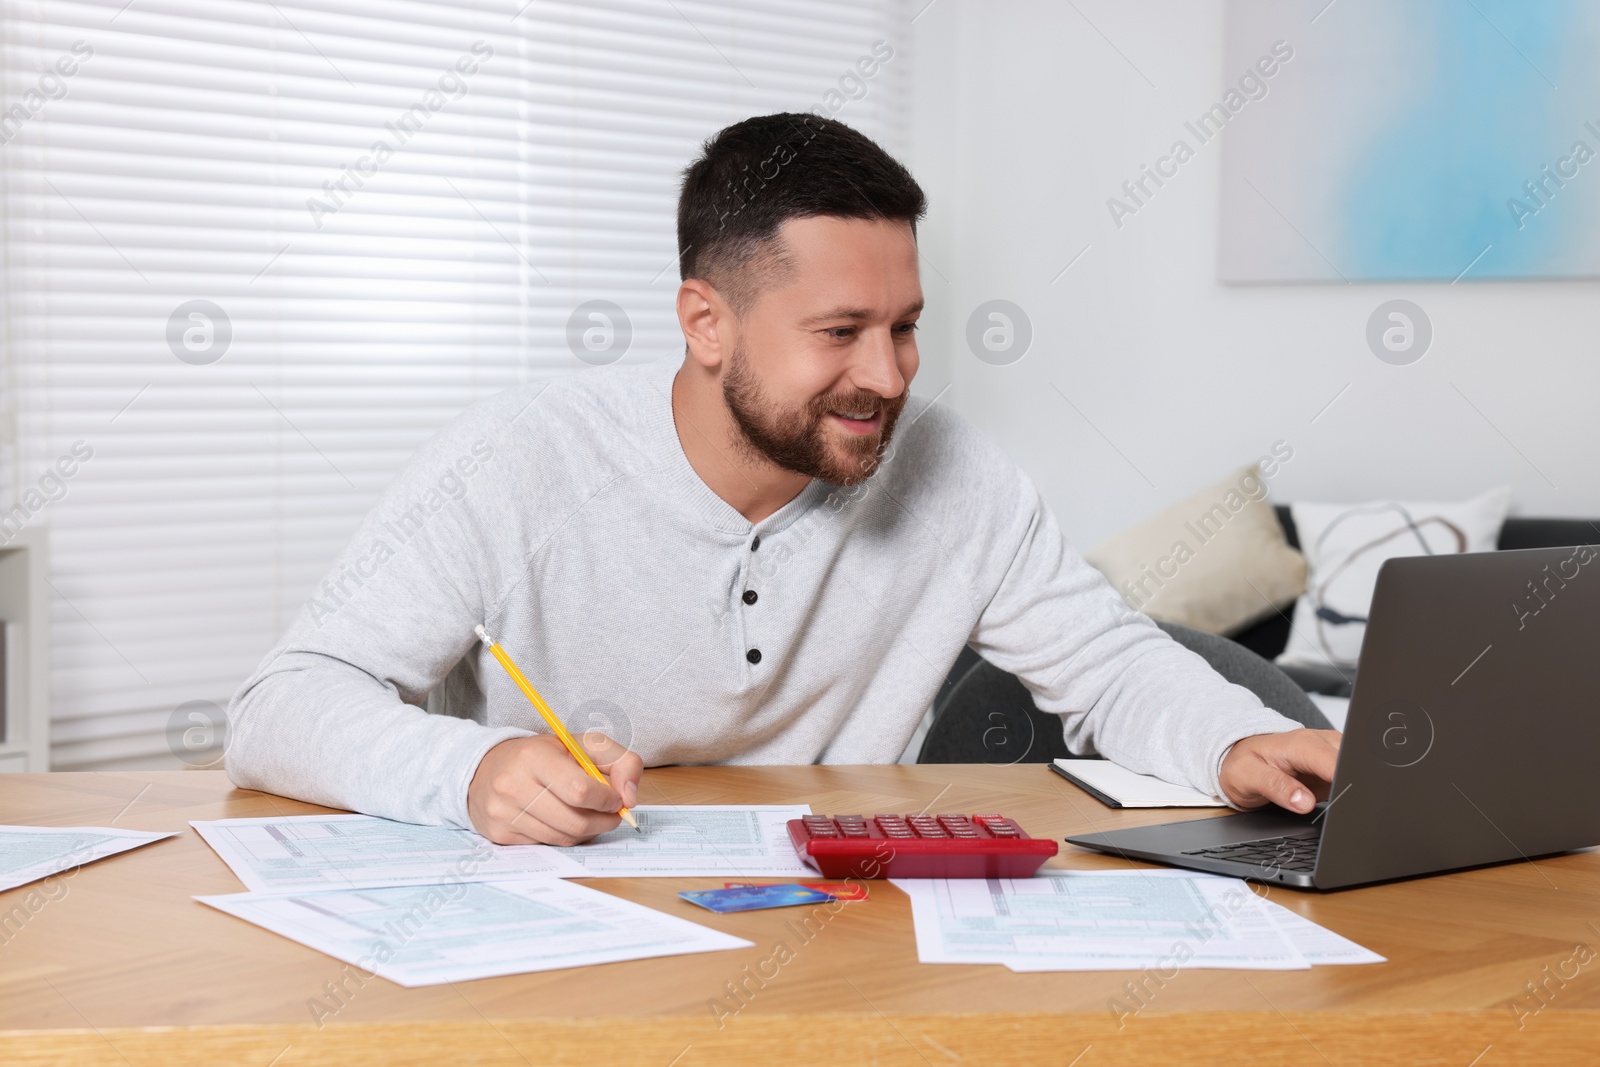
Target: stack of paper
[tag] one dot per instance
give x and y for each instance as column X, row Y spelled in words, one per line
column 421, row 905
column 1115, row 920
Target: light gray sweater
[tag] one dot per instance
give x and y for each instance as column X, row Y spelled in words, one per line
column 567, row 519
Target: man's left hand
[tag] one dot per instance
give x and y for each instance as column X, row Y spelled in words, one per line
column 1292, row 770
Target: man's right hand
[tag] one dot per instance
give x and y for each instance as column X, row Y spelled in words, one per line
column 530, row 791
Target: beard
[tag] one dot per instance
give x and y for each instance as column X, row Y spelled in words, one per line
column 797, row 439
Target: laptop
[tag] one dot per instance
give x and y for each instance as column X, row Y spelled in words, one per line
column 1470, row 740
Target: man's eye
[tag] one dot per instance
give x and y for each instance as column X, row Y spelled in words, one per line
column 842, row 333
column 906, row 328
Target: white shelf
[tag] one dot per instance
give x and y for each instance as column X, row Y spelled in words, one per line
column 25, row 608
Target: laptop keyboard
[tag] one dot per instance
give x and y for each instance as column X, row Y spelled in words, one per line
column 1294, row 852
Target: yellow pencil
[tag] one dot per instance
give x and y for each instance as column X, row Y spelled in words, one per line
column 549, row 717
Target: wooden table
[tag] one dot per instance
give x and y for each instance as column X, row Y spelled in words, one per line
column 119, row 966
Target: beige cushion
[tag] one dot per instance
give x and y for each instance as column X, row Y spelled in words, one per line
column 1217, row 561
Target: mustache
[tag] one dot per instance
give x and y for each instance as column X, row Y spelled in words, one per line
column 856, row 401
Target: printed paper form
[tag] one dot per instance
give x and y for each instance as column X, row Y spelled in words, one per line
column 29, row 853
column 1318, row 944
column 692, row 841
column 427, row 935
column 304, row 853
column 1090, row 920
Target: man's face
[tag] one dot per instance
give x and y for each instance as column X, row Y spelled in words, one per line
column 823, row 358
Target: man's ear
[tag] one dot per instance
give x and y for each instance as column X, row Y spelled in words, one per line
column 707, row 323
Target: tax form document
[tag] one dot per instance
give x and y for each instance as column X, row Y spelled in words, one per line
column 29, row 853
column 1318, row 944
column 740, row 841
column 1097, row 920
column 304, row 853
column 428, row 935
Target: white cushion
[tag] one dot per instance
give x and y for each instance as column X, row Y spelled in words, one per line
column 1217, row 561
column 1346, row 544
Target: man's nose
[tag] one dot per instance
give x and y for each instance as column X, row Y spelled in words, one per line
column 875, row 367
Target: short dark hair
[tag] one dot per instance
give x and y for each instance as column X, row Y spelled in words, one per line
column 755, row 175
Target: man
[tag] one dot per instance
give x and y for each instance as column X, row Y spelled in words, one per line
column 725, row 561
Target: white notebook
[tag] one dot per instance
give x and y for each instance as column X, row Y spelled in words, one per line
column 1119, row 787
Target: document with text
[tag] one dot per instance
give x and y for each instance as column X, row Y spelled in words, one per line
column 428, row 935
column 1098, row 920
column 304, row 853
column 29, row 853
column 1318, row 944
column 740, row 841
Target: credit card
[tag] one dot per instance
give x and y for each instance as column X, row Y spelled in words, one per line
column 837, row 890
column 753, row 897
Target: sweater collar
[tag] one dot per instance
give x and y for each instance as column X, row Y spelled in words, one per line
column 686, row 485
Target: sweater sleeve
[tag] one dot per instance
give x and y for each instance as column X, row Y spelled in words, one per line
column 333, row 715
column 1122, row 687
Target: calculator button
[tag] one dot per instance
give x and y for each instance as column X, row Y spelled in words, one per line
column 928, row 845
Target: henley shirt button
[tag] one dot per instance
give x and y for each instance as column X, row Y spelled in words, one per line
column 755, row 542
column 750, row 596
column 754, row 655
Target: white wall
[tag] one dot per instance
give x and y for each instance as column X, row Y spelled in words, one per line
column 1026, row 119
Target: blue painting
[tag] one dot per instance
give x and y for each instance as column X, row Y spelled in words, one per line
column 1423, row 140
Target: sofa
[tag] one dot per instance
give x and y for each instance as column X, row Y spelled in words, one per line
column 1268, row 637
column 990, row 692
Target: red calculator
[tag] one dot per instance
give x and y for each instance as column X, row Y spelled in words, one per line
column 917, row 846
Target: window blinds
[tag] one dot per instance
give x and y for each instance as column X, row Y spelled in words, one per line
column 255, row 253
